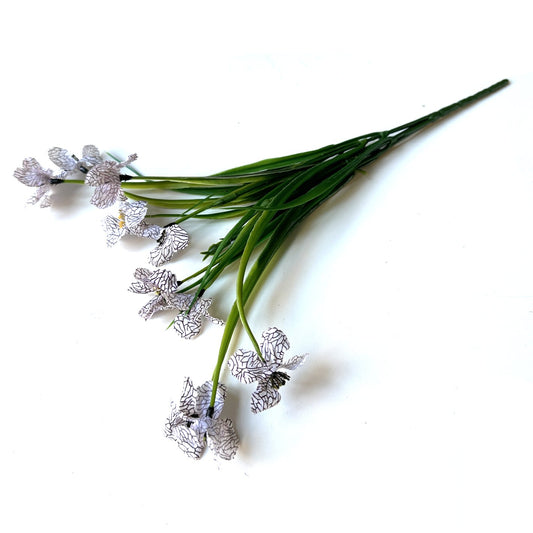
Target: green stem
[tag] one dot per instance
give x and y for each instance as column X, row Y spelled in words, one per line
column 324, row 184
column 285, row 225
column 258, row 222
column 240, row 230
column 252, row 278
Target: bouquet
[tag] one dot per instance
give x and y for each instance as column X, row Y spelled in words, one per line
column 267, row 200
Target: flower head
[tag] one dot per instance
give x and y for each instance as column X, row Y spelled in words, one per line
column 105, row 178
column 189, row 321
column 33, row 175
column 68, row 163
column 162, row 283
column 193, row 424
column 266, row 370
column 130, row 221
column 172, row 239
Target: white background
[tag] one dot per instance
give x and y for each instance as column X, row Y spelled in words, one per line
column 412, row 289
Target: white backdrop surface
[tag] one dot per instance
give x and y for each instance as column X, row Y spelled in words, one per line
column 411, row 290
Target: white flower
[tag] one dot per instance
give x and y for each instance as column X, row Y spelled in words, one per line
column 193, row 424
column 172, row 239
column 33, row 175
column 248, row 367
column 162, row 283
column 130, row 221
column 106, row 178
column 69, row 163
column 189, row 322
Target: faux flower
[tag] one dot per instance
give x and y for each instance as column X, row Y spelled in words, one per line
column 33, row 175
column 194, row 425
column 189, row 322
column 162, row 283
column 267, row 370
column 68, row 163
column 130, row 221
column 172, row 239
column 105, row 178
column 269, row 198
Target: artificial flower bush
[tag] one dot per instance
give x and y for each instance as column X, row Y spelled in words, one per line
column 267, row 200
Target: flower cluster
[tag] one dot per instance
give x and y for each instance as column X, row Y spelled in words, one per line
column 195, row 422
column 268, row 199
column 106, row 178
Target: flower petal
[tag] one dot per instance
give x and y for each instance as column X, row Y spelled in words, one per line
column 204, row 399
column 114, row 230
column 164, row 280
column 148, row 231
column 42, row 194
column 201, row 307
column 141, row 287
column 106, row 172
column 32, row 174
column 106, row 194
column 129, row 161
column 246, row 366
column 61, row 158
column 263, row 398
column 274, row 344
column 189, row 441
column 188, row 325
column 294, row 362
column 188, row 398
column 142, row 274
column 180, row 300
column 172, row 240
column 134, row 212
column 91, row 155
column 46, row 201
column 157, row 303
column 222, row 439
